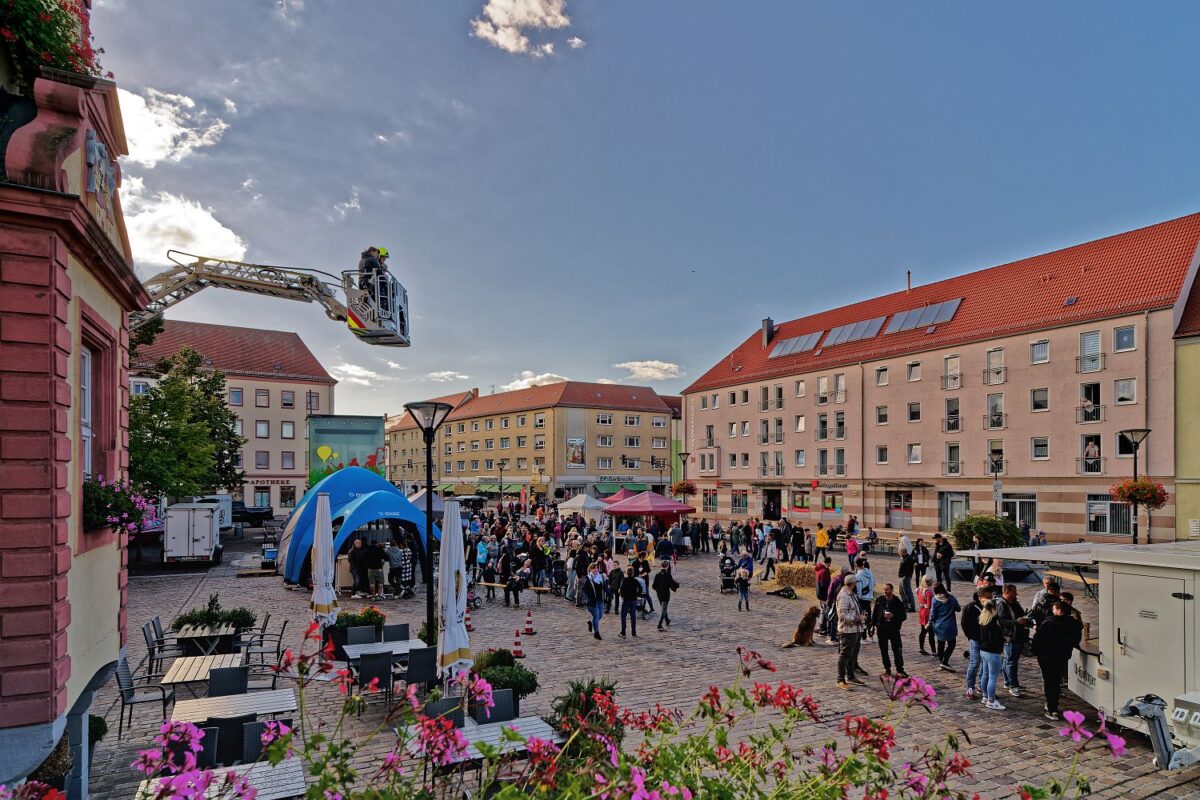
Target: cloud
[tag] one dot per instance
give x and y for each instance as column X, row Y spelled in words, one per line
column 543, row 50
column 503, row 23
column 166, row 127
column 353, row 373
column 446, row 376
column 528, row 379
column 250, row 187
column 344, row 209
column 393, row 136
column 650, row 370
column 606, row 380
column 162, row 221
column 575, row 43
column 231, row 106
column 288, row 12
column 394, row 365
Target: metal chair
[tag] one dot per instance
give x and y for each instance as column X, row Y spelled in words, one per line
column 164, row 636
column 395, row 633
column 252, row 745
column 265, row 644
column 374, row 666
column 206, row 755
column 448, row 708
column 261, row 677
column 361, row 634
column 159, row 649
column 503, row 710
column 229, row 736
column 224, row 681
column 422, row 667
column 135, row 691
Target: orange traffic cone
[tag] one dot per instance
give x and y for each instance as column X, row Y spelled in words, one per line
column 517, row 651
column 470, row 627
column 529, row 631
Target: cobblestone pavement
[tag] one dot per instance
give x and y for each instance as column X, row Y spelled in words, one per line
column 674, row 668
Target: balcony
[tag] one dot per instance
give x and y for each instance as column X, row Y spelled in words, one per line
column 990, row 465
column 951, row 468
column 778, row 437
column 1089, row 363
column 839, row 432
column 951, row 424
column 995, row 421
column 951, row 381
column 764, row 472
column 1089, row 465
column 839, row 470
column 764, row 438
column 822, row 435
column 710, row 442
column 1089, row 412
column 993, row 376
column 825, row 398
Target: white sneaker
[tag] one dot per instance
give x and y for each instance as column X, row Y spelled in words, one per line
column 996, row 705
column 1015, row 691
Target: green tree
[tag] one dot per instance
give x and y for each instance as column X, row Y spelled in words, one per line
column 992, row 532
column 181, row 434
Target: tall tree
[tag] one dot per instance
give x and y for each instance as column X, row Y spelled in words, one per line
column 181, row 435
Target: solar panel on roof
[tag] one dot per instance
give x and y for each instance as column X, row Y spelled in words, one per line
column 796, row 344
column 854, row 331
column 932, row 314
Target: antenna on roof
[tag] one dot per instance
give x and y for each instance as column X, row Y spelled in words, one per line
column 908, row 280
column 493, row 391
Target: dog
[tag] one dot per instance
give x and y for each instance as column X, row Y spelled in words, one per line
column 804, row 631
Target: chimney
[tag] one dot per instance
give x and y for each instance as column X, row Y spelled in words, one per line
column 908, row 280
column 768, row 330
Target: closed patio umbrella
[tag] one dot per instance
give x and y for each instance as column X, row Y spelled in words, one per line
column 453, row 644
column 324, row 603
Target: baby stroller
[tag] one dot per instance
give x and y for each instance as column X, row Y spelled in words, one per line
column 728, row 574
column 473, row 599
column 643, row 604
column 558, row 577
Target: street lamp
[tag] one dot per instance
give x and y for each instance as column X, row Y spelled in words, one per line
column 1135, row 437
column 659, row 464
column 502, row 463
column 684, row 455
column 429, row 417
column 997, row 462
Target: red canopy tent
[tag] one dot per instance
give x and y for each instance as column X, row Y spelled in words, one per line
column 649, row 504
column 623, row 494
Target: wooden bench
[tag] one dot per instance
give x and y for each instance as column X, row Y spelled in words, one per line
column 1089, row 583
column 538, row 591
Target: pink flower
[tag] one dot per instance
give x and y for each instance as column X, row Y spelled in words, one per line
column 438, row 740
column 477, row 690
column 912, row 691
column 190, row 785
column 1116, row 744
column 1074, row 729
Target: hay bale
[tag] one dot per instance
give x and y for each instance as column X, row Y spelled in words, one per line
column 796, row 575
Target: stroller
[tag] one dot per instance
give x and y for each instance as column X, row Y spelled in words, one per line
column 728, row 574
column 558, row 577
column 473, row 599
column 643, row 603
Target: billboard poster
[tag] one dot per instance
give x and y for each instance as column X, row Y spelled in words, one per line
column 576, row 456
column 337, row 441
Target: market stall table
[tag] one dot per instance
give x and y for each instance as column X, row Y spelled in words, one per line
column 270, row 783
column 274, row 701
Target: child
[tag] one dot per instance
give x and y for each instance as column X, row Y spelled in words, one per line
column 489, row 576
column 743, row 587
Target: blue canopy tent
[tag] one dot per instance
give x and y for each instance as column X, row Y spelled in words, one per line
column 357, row 496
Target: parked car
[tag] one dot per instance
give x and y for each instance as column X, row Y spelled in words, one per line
column 251, row 516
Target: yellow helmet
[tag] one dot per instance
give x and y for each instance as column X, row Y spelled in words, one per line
column 383, row 251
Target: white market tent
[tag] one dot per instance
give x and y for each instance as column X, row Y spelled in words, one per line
column 584, row 504
column 418, row 500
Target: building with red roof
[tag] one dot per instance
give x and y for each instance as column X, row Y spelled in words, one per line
column 1001, row 389
column 560, row 438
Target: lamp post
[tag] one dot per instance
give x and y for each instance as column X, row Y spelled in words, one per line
column 429, row 417
column 997, row 461
column 684, row 455
column 659, row 464
column 1135, row 437
column 502, row 463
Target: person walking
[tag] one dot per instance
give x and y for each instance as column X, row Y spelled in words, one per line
column 944, row 624
column 851, row 549
column 905, row 574
column 888, row 615
column 631, row 589
column 991, row 649
column 357, row 558
column 821, row 541
column 735, row 536
column 770, row 554
column 592, row 590
column 924, row 605
column 612, row 594
column 742, row 582
column 943, row 554
column 850, row 625
column 664, row 584
column 865, row 591
column 920, row 561
column 970, row 629
column 1053, row 641
column 1016, row 634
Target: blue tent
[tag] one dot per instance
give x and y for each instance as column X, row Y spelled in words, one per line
column 357, row 496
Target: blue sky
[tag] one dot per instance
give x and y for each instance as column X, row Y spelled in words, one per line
column 643, row 192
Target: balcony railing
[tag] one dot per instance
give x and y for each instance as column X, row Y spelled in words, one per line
column 709, row 443
column 952, row 380
column 822, row 435
column 778, row 437
column 1089, row 363
column 839, row 470
column 951, row 424
column 952, row 468
column 823, row 398
column 839, row 432
column 1089, row 465
column 1089, row 413
column 764, row 472
column 995, row 375
column 995, row 466
column 995, row 420
column 764, row 438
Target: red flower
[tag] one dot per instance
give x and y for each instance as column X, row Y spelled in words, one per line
column 8, row 35
column 47, row 57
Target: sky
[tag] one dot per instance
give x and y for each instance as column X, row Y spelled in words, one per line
column 621, row 191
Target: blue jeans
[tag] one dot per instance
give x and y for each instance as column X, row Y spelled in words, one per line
column 1012, row 658
column 597, row 610
column 629, row 608
column 990, row 673
column 973, row 663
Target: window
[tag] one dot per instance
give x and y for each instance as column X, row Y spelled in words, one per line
column 831, row 502
column 262, row 398
column 951, row 372
column 881, row 454
column 914, row 371
column 475, row 425
column 287, row 398
column 632, row 420
column 262, row 459
column 1124, row 338
column 914, row 412
column 733, row 398
column 658, row 422
column 235, row 395
column 522, row 463
column 475, row 444
column 779, row 430
column 1125, row 391
column 995, row 372
column 739, row 501
column 778, row 396
column 799, row 458
column 504, row 422
column 262, row 429
column 448, row 466
column 732, row 460
column 881, row 415
column 287, row 429
column 262, row 495
column 461, row 466
column 522, row 441
column 778, row 463
column 1039, row 351
column 288, row 459
column 604, row 462
column 764, row 432
column 822, row 462
column 633, row 441
column 881, row 376
column 839, row 425
column 1105, row 516
column 287, row 496
column 489, row 424
column 139, row 387
column 914, row 453
column 800, row 388
column 799, row 423
column 745, row 428
column 952, row 423
column 1040, row 448
column 521, row 420
column 703, row 402
column 312, row 401
column 239, row 460
column 475, row 465
column 237, row 426
column 505, row 442
column 462, row 447
column 745, row 396
column 733, row 429
column 822, row 390
column 659, row 442
column 839, row 387
column 1124, row 447
column 953, row 459
column 822, row 427
column 634, row 463
column 489, row 444
column 764, row 398
column 1090, row 358
column 489, row 464
column 87, row 406
column 763, row 469
column 709, row 501
column 715, row 401
column 745, row 460
column 1039, row 400
column 995, row 456
column 995, row 411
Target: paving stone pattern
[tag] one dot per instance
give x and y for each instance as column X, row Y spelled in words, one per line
column 674, row 668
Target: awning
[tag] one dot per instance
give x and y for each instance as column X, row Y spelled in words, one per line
column 487, row 487
column 900, row 484
column 445, row 487
column 1076, row 553
column 636, row 487
column 608, row 488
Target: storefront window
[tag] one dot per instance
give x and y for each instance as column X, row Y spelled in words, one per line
column 831, row 502
column 800, row 502
column 740, row 502
column 710, row 501
column 262, row 495
column 287, row 496
column 1105, row 516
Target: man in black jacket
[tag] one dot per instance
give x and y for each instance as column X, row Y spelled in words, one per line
column 631, row 588
column 1056, row 637
column 907, row 564
column 888, row 615
column 943, row 554
column 357, row 558
column 664, row 584
column 1016, row 632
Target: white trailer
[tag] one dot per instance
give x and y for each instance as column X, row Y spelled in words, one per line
column 192, row 533
column 224, row 503
column 1143, row 668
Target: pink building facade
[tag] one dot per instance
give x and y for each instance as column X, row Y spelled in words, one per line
column 1001, row 390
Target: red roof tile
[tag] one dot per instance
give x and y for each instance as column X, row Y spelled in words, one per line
column 406, row 422
column 1122, row 274
column 575, row 394
column 675, row 402
column 250, row 352
column 1189, row 321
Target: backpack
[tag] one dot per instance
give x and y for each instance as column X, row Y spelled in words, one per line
column 785, row 591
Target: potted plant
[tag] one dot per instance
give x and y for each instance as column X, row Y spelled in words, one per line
column 97, row 730
column 212, row 614
column 522, row 680
column 112, row 504
column 57, row 766
column 37, row 34
column 1145, row 492
column 684, row 489
column 336, row 633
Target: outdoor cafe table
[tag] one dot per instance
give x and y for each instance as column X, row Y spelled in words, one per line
column 204, row 640
column 195, row 669
column 398, row 648
column 271, row 783
column 492, row 734
column 274, row 701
